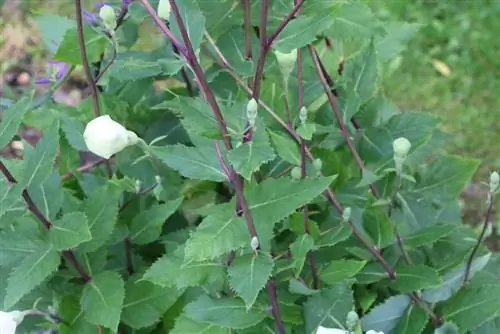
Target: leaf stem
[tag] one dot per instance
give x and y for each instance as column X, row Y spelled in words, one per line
column 85, row 62
column 468, row 267
column 247, row 14
column 68, row 254
column 83, row 168
column 270, row 40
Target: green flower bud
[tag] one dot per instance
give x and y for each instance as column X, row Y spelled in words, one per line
column 346, row 216
column 164, row 9
column 296, row 173
column 252, row 108
column 108, row 16
column 317, row 164
column 401, row 146
column 351, row 320
column 138, row 186
column 286, row 62
column 158, row 179
column 303, row 115
column 494, row 181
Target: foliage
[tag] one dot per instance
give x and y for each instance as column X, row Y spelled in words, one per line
column 227, row 219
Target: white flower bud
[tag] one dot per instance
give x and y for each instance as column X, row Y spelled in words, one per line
column 494, row 181
column 108, row 16
column 401, row 146
column 164, row 9
column 105, row 137
column 9, row 321
column 351, row 320
column 138, row 186
column 303, row 115
column 296, row 173
column 286, row 62
column 371, row 331
column 254, row 243
column 158, row 179
column 346, row 216
column 252, row 108
column 324, row 330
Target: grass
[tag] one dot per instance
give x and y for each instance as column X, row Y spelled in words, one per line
column 465, row 36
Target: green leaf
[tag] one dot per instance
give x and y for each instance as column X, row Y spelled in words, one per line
column 398, row 34
column 340, row 270
column 385, row 317
column 69, row 49
column 10, row 200
column 248, row 157
column 131, row 68
column 301, row 31
column 74, row 321
column 194, row 22
column 145, row 303
column 192, row 162
column 300, row 248
column 248, row 274
column 11, row 119
column 73, row 131
column 298, row 287
column 275, row 199
column 218, row 234
column 16, row 245
column 361, row 74
column 378, row 225
column 286, row 148
column 413, row 321
column 452, row 281
column 445, row 177
column 329, row 307
column 450, row 328
column 101, row 209
column 102, row 299
column 306, row 130
column 469, row 308
column 39, row 162
column 48, row 196
column 185, row 325
column 52, row 29
column 209, row 310
column 70, row 231
column 429, row 235
column 371, row 273
column 30, row 273
column 146, row 226
column 353, row 20
column 334, row 236
column 416, row 277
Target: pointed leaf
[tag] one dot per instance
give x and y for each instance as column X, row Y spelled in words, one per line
column 70, row 231
column 340, row 270
column 385, row 317
column 299, row 249
column 329, row 308
column 413, row 321
column 102, row 299
column 248, row 157
column 185, row 325
column 334, row 236
column 301, row 31
column 209, row 310
column 14, row 246
column 11, row 119
column 248, row 274
column 353, row 20
column 416, row 277
column 32, row 271
column 429, row 235
column 10, row 198
column 69, row 51
column 286, row 148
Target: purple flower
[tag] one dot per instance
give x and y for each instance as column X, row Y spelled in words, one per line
column 57, row 72
column 89, row 17
column 101, row 4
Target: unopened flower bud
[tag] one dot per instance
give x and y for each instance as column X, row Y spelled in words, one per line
column 494, row 181
column 164, row 9
column 138, row 186
column 303, row 115
column 401, row 146
column 105, row 137
column 158, row 179
column 346, row 216
column 286, row 62
column 296, row 173
column 10, row 320
column 371, row 331
column 252, row 108
column 108, row 16
column 318, row 164
column 325, row 330
column 351, row 320
column 254, row 243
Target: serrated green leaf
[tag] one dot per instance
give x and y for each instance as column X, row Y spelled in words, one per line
column 48, row 196
column 71, row 312
column 398, row 33
column 16, row 245
column 353, row 20
column 248, row 274
column 101, row 209
column 298, row 287
column 413, row 321
column 11, row 119
column 185, row 325
column 340, row 270
column 70, row 231
column 445, row 177
column 52, row 29
column 39, row 162
column 68, row 50
column 209, row 310
column 378, row 225
column 248, row 157
column 429, row 235
column 452, row 281
column 32, row 271
column 332, row 237
column 145, row 303
column 301, row 31
column 386, row 316
column 300, row 248
column 10, row 198
column 286, row 148
column 218, row 234
column 192, row 162
column 306, row 130
column 194, row 22
column 102, row 299
column 360, row 75
column 469, row 308
column 416, row 277
column 146, row 226
column 73, row 131
column 371, row 273
column 329, row 307
column 274, row 199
